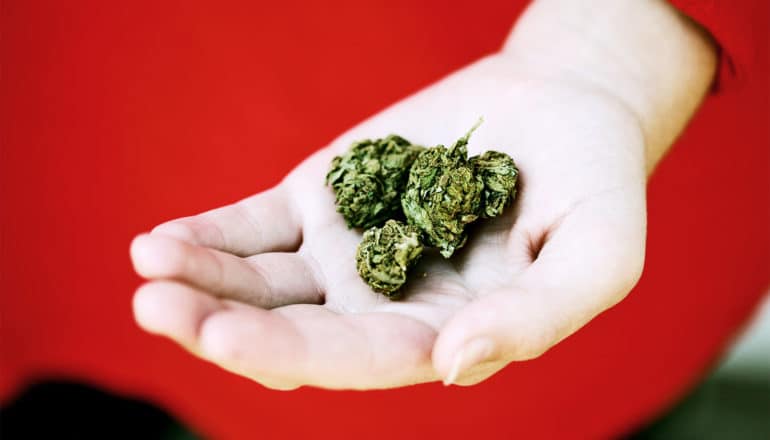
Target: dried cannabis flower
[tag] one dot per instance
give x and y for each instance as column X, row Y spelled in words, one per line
column 368, row 180
column 439, row 189
column 443, row 195
column 499, row 174
column 386, row 254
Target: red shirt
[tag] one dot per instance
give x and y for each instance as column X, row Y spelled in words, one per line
column 116, row 116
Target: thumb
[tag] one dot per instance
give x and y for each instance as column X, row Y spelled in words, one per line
column 589, row 263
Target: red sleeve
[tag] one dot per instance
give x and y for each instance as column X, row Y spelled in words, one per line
column 740, row 30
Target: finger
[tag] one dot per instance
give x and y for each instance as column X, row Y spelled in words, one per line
column 261, row 223
column 293, row 345
column 311, row 345
column 177, row 311
column 588, row 264
column 265, row 280
column 174, row 310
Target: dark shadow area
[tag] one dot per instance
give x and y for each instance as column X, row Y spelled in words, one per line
column 723, row 407
column 69, row 410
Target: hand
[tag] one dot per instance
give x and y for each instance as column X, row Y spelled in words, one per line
column 267, row 287
column 572, row 245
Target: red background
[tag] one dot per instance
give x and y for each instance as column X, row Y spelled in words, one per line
column 119, row 115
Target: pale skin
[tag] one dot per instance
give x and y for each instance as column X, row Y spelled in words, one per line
column 586, row 96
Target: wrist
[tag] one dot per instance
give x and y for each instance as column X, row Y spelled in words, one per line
column 648, row 58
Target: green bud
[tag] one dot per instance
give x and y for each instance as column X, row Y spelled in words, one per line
column 443, row 195
column 499, row 174
column 369, row 179
column 386, row 254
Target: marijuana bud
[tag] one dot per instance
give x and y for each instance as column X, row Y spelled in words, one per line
column 499, row 174
column 443, row 195
column 369, row 179
column 386, row 254
column 438, row 191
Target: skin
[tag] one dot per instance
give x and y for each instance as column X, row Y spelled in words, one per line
column 586, row 96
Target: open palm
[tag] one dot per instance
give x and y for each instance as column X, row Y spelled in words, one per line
column 267, row 287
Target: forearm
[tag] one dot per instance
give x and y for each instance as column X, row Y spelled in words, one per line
column 643, row 53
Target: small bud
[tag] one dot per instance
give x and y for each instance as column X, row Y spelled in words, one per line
column 386, row 254
column 369, row 178
column 499, row 174
column 443, row 195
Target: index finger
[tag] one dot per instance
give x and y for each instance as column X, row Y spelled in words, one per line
column 265, row 222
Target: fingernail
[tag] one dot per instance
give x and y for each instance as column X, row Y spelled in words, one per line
column 474, row 352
